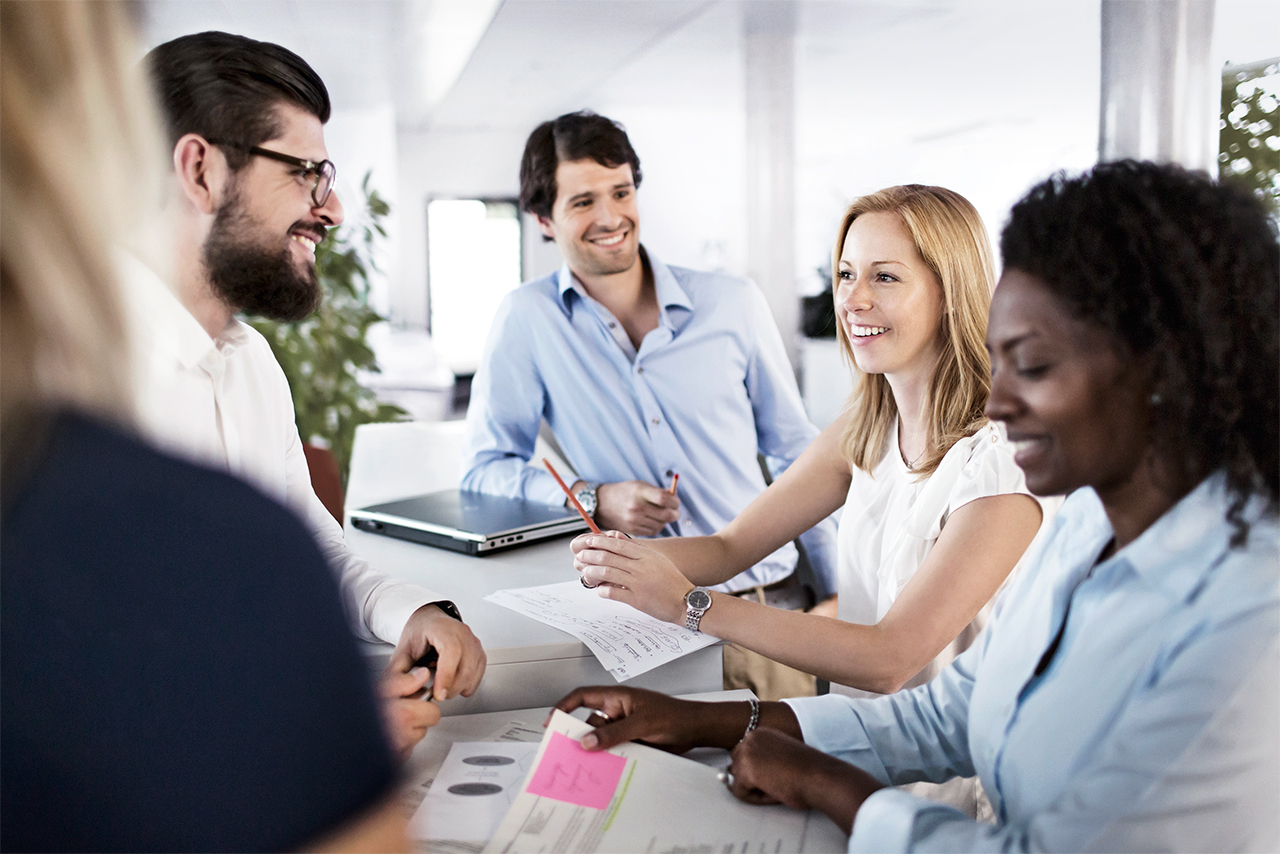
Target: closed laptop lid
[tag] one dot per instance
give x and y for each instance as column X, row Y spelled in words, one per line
column 474, row 515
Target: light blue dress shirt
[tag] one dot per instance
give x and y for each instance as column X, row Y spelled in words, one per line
column 1155, row 727
column 706, row 390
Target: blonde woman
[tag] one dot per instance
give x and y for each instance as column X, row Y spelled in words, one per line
column 149, row 607
column 936, row 513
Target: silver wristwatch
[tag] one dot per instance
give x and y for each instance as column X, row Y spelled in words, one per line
column 696, row 603
column 587, row 498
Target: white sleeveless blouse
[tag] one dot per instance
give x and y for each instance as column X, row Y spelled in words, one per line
column 891, row 520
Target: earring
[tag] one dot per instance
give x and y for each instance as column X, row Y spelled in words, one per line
column 1156, row 399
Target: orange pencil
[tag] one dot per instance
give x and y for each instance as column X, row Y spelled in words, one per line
column 590, row 522
column 675, row 478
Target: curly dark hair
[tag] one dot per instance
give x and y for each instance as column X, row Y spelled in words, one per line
column 574, row 136
column 1185, row 270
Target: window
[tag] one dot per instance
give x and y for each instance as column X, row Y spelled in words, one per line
column 473, row 261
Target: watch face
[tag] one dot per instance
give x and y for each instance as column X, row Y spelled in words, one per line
column 587, row 498
column 698, row 600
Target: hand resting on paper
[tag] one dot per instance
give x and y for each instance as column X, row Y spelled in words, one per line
column 632, row 572
column 634, row 714
column 771, row 767
column 635, row 507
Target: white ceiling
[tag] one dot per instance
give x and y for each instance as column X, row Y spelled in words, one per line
column 542, row 57
column 533, row 59
column 517, row 61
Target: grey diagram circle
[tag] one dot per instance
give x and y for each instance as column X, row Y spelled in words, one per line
column 474, row 789
column 489, row 760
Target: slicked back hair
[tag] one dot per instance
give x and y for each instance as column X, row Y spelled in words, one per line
column 226, row 87
column 574, row 136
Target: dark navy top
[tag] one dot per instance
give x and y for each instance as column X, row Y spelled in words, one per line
column 177, row 669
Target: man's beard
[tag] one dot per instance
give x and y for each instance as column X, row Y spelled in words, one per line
column 251, row 277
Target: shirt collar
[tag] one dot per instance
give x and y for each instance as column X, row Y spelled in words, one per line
column 669, row 292
column 169, row 326
column 1183, row 545
column 232, row 336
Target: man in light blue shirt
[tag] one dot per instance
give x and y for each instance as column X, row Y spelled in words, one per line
column 641, row 370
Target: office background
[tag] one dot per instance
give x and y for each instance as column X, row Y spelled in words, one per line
column 756, row 124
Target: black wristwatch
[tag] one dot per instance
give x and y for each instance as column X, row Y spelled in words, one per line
column 696, row 603
column 587, row 498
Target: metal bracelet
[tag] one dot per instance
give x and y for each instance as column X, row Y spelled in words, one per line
column 755, row 717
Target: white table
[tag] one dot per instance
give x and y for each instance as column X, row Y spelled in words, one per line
column 531, row 665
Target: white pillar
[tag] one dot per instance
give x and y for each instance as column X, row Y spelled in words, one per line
column 1160, row 91
column 769, row 52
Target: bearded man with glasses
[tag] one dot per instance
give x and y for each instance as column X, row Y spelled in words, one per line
column 251, row 197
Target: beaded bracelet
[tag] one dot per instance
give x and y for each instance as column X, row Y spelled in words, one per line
column 755, row 717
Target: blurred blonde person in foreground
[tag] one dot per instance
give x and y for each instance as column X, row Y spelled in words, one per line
column 150, row 609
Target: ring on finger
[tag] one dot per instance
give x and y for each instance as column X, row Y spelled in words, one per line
column 583, row 579
column 726, row 777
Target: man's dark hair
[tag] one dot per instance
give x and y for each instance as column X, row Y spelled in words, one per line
column 573, row 136
column 224, row 87
column 1184, row 270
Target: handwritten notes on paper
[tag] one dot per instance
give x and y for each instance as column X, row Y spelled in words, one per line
column 570, row 774
column 627, row 642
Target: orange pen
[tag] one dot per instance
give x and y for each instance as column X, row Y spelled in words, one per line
column 590, row 522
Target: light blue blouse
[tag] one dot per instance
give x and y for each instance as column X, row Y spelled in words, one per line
column 1156, row 725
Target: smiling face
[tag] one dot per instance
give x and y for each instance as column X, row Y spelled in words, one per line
column 1076, row 411
column 888, row 300
column 595, row 221
column 260, row 251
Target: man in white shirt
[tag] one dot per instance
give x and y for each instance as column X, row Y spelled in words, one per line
column 252, row 196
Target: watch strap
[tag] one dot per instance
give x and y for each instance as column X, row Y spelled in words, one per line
column 693, row 616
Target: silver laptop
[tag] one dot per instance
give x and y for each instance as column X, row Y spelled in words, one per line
column 470, row 522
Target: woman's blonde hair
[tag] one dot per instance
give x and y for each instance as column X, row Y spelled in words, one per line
column 80, row 167
column 952, row 240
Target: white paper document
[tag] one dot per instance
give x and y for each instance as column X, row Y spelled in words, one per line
column 635, row 798
column 473, row 790
column 626, row 641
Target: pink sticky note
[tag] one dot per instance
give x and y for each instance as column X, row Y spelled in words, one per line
column 570, row 774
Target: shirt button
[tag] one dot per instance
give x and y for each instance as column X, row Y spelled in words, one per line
column 656, row 422
column 639, row 370
column 668, row 472
column 613, row 326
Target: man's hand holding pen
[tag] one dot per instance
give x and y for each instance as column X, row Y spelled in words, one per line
column 635, row 507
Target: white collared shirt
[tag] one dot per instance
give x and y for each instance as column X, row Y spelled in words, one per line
column 225, row 403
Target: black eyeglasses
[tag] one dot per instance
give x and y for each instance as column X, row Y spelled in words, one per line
column 324, row 171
